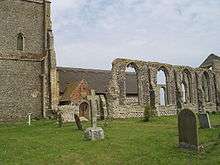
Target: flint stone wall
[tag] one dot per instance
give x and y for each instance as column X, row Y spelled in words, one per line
column 21, row 17
column 67, row 113
column 28, row 76
column 20, row 89
column 146, row 72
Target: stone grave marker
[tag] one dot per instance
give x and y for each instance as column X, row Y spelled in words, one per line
column 60, row 119
column 188, row 131
column 78, row 122
column 94, row 132
column 204, row 120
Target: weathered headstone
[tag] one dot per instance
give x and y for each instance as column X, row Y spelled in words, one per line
column 188, row 131
column 204, row 120
column 94, row 132
column 78, row 122
column 60, row 119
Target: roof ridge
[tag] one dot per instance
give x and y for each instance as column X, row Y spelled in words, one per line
column 82, row 69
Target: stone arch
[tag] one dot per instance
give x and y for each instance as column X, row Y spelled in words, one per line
column 164, row 85
column 131, row 83
column 84, row 109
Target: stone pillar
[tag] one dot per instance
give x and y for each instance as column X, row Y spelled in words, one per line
column 51, row 64
column 140, row 86
column 146, row 85
column 216, row 70
column 121, row 77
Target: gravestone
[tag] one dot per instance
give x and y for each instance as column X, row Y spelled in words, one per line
column 78, row 122
column 204, row 120
column 60, row 119
column 94, row 132
column 188, row 131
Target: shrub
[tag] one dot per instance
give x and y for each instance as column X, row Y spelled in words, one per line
column 147, row 113
column 213, row 112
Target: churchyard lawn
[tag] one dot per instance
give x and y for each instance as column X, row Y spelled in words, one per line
column 128, row 141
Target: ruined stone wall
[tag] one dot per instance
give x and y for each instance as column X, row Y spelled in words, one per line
column 67, row 112
column 216, row 69
column 148, row 93
column 132, row 100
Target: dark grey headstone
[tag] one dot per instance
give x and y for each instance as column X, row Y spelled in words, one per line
column 204, row 120
column 78, row 122
column 188, row 131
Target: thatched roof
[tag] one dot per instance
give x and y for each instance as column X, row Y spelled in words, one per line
column 96, row 79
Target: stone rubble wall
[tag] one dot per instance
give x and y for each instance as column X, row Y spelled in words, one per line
column 20, row 89
column 67, row 113
column 29, row 81
column 128, row 111
column 120, row 107
column 21, row 17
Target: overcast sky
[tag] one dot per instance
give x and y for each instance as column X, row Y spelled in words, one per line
column 91, row 33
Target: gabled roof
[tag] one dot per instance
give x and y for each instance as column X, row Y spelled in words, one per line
column 69, row 89
column 96, row 79
column 209, row 60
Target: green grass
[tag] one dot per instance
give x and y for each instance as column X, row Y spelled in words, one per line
column 128, row 141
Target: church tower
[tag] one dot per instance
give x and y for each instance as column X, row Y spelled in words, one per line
column 27, row 60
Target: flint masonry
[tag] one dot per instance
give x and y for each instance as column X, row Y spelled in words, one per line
column 27, row 60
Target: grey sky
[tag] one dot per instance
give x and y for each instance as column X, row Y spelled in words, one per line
column 91, row 33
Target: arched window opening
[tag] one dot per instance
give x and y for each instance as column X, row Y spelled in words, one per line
column 183, row 92
column 187, row 86
column 162, row 96
column 84, row 110
column 162, row 85
column 20, row 42
column 131, row 85
column 161, row 78
column 206, row 86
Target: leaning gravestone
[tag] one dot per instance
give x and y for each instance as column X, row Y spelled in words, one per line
column 204, row 120
column 94, row 132
column 78, row 122
column 188, row 131
column 60, row 119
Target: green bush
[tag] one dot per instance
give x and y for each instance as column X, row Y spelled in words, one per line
column 213, row 112
column 147, row 113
